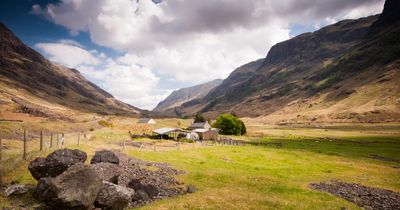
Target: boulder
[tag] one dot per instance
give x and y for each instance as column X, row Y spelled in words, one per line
column 107, row 171
column 76, row 188
column 18, row 189
column 105, row 156
column 56, row 163
column 137, row 185
column 113, row 197
column 191, row 189
column 140, row 195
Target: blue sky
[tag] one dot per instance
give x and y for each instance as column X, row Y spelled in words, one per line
column 140, row 51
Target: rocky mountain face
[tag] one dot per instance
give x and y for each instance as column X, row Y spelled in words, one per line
column 183, row 95
column 348, row 71
column 31, row 83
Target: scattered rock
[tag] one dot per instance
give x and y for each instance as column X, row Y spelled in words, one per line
column 366, row 197
column 18, row 189
column 76, row 188
column 150, row 189
column 112, row 196
column 107, row 171
column 141, row 196
column 191, row 189
column 55, row 163
column 105, row 156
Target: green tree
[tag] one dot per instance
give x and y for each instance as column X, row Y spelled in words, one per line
column 199, row 118
column 230, row 125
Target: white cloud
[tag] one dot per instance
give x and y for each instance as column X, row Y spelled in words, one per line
column 68, row 53
column 181, row 40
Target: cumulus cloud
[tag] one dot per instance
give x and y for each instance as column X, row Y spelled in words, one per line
column 188, row 41
column 68, row 53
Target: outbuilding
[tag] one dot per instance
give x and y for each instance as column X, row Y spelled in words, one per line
column 206, row 135
column 200, row 125
column 146, row 121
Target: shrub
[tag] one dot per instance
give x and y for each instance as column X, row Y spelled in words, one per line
column 230, row 125
column 199, row 118
column 105, row 123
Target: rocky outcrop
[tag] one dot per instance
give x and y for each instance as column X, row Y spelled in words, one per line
column 104, row 156
column 55, row 163
column 113, row 197
column 107, row 171
column 76, row 188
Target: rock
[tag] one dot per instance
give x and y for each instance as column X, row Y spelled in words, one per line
column 151, row 190
column 105, row 156
column 76, row 188
column 107, row 171
column 18, row 189
column 55, row 163
column 112, row 196
column 140, row 195
column 191, row 189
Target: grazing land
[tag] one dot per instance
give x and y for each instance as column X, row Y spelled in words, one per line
column 238, row 177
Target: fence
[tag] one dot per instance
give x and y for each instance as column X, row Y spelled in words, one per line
column 29, row 145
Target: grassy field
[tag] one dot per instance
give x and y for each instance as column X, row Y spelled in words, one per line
column 260, row 177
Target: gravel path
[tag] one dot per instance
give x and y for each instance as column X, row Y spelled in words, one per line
column 366, row 197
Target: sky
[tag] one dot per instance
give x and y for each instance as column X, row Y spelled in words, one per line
column 142, row 50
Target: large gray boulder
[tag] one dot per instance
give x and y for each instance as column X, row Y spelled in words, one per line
column 105, row 156
column 76, row 188
column 107, row 171
column 113, row 197
column 56, row 163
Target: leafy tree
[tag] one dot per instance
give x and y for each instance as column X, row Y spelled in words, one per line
column 230, row 125
column 199, row 118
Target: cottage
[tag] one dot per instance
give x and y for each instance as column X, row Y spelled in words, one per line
column 146, row 121
column 200, row 125
column 206, row 135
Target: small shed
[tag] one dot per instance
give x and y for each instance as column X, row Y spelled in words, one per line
column 207, row 135
column 200, row 125
column 170, row 133
column 146, row 121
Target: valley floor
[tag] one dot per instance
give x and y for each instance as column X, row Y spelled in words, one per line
column 243, row 177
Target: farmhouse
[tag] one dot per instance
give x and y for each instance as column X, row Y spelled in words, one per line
column 146, row 121
column 205, row 134
column 200, row 125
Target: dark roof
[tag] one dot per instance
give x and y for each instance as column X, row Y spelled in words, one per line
column 198, row 125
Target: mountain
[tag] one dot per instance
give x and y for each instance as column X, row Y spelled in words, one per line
column 348, row 71
column 178, row 97
column 32, row 84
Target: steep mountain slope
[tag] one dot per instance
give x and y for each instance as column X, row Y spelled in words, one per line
column 348, row 71
column 178, row 97
column 30, row 82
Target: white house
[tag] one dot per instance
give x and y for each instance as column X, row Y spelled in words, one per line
column 146, row 121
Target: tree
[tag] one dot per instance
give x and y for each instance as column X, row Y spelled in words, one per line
column 230, row 125
column 199, row 118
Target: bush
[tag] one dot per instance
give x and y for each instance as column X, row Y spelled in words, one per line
column 199, row 118
column 230, row 125
column 105, row 123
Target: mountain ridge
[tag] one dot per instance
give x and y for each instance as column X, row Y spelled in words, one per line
column 25, row 75
column 308, row 77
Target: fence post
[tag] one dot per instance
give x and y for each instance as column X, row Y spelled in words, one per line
column 123, row 144
column 41, row 140
column 154, row 147
column 79, row 136
column 24, row 152
column 178, row 145
column 1, row 164
column 58, row 144
column 51, row 140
